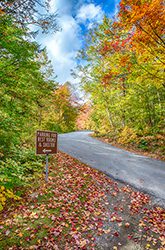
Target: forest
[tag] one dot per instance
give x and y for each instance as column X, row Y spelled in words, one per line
column 121, row 76
column 124, row 76
column 30, row 99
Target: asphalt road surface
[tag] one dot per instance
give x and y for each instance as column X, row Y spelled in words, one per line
column 139, row 171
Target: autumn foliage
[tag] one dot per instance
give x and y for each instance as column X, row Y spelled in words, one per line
column 83, row 118
column 30, row 99
column 125, row 71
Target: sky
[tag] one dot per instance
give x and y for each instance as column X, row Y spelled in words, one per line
column 75, row 19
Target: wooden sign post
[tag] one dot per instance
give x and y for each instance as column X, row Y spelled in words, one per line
column 46, row 143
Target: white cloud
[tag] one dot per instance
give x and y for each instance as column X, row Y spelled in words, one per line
column 61, row 6
column 89, row 12
column 63, row 47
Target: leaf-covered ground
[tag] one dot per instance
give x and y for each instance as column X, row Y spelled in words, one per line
column 81, row 208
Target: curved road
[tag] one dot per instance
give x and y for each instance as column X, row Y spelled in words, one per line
column 139, row 171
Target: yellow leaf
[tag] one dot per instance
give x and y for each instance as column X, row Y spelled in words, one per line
column 2, row 188
column 20, row 234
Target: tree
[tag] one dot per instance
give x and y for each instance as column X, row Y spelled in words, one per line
column 23, row 85
column 61, row 114
column 144, row 20
column 84, row 117
column 125, row 84
column 35, row 12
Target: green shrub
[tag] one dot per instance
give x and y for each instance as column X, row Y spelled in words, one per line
column 143, row 144
column 21, row 169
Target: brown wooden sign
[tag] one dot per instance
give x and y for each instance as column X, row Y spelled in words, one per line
column 46, row 142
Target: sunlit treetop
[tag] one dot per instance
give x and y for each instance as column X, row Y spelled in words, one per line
column 146, row 18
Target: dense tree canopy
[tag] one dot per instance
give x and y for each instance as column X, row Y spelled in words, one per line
column 62, row 111
column 125, row 71
column 30, row 99
column 28, row 94
column 23, row 85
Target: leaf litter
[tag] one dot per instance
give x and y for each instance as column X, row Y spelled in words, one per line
column 82, row 208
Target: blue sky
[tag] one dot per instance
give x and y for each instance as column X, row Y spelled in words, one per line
column 75, row 19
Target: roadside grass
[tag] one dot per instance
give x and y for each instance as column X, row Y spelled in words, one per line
column 81, row 208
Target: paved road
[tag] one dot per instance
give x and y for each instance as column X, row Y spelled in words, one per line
column 139, row 171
